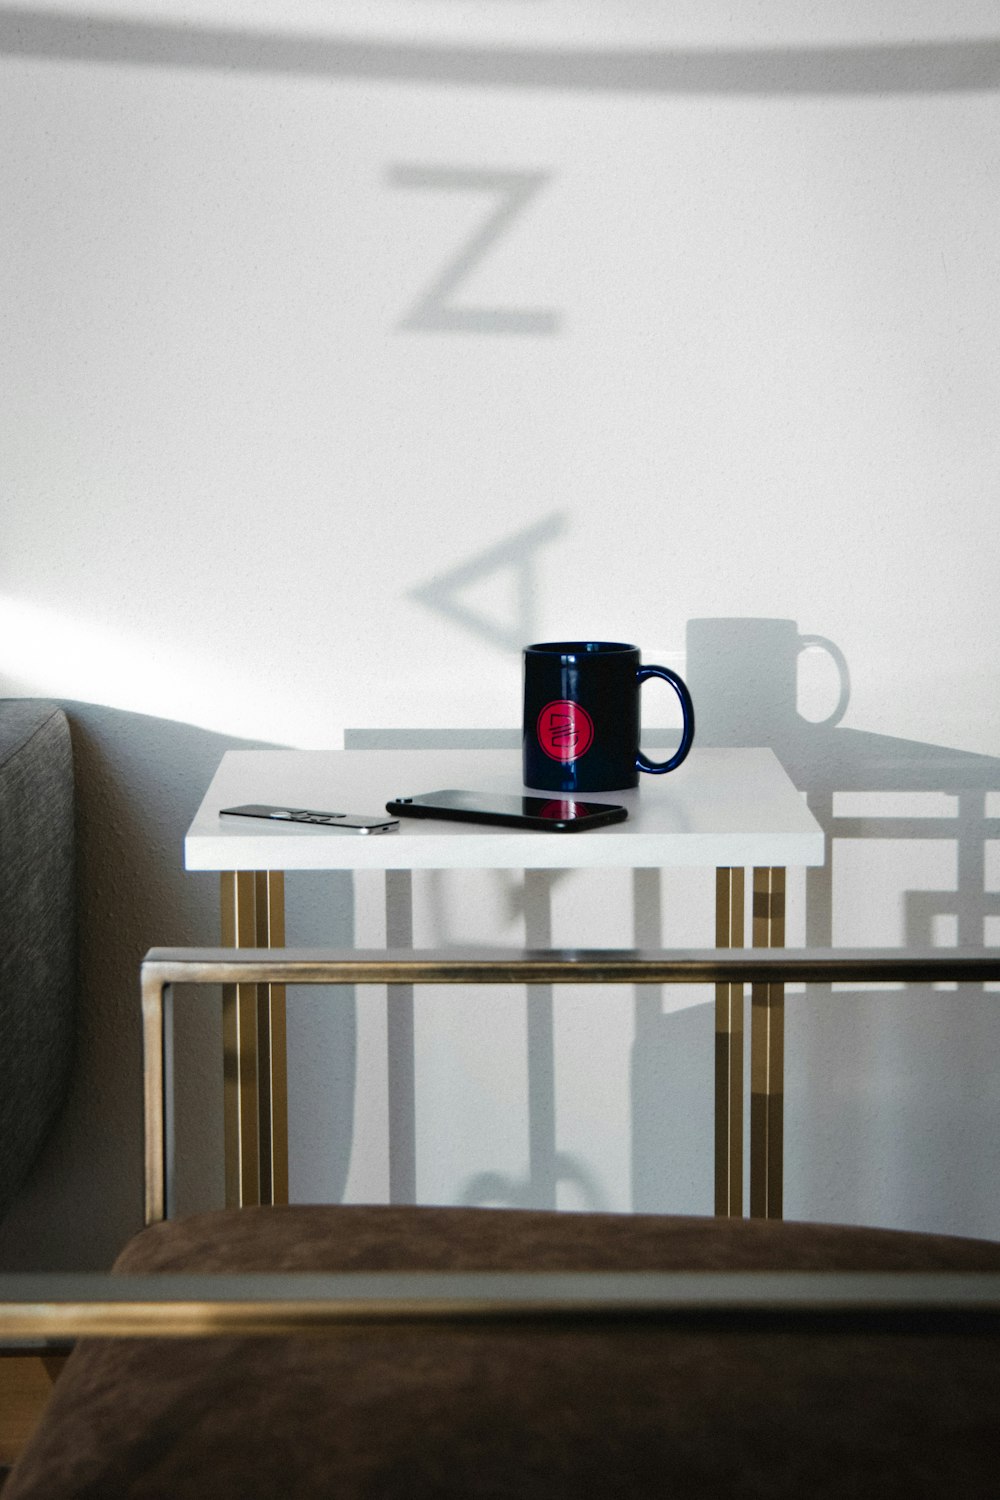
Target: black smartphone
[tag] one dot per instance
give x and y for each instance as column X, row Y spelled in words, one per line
column 553, row 814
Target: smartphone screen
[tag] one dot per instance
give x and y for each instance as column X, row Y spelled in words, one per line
column 553, row 814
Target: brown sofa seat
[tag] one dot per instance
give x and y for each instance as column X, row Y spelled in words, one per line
column 709, row 1408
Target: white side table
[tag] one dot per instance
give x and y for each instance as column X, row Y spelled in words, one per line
column 733, row 809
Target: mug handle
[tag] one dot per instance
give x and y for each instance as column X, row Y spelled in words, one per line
column 820, row 643
column 657, row 767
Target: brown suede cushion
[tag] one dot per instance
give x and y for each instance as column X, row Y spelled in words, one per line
column 751, row 1408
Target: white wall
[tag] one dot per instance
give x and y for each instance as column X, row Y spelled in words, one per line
column 734, row 354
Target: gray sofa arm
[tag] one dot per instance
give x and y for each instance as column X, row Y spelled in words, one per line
column 37, row 930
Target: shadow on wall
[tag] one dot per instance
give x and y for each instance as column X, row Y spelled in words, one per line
column 139, row 781
column 516, row 559
column 876, row 1129
column 865, row 68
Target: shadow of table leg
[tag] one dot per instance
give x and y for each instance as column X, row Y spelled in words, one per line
column 767, row 1053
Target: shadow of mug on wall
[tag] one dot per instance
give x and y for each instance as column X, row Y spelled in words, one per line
column 744, row 676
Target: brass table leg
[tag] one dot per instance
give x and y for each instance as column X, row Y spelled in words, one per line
column 272, row 1045
column 767, row 1053
column 255, row 1058
column 729, row 900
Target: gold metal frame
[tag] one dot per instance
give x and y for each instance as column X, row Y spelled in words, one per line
column 255, row 1055
column 255, row 1061
column 730, row 899
column 767, row 1053
column 766, row 970
column 67, row 1306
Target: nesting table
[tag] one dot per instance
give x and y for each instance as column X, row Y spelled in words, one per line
column 731, row 809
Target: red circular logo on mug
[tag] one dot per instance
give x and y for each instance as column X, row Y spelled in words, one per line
column 565, row 730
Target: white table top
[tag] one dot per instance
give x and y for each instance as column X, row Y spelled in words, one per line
column 721, row 807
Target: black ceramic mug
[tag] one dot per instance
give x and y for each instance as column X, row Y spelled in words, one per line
column 581, row 716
